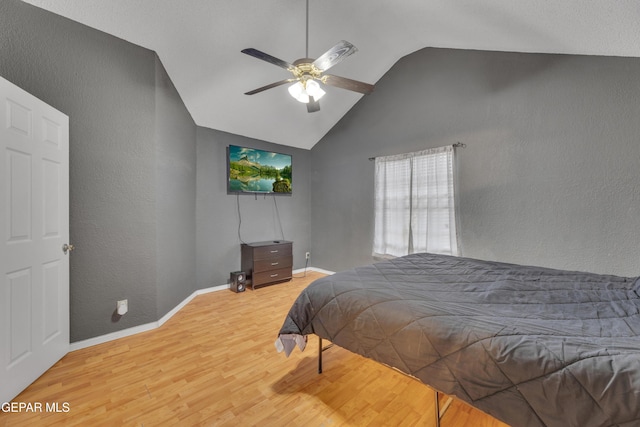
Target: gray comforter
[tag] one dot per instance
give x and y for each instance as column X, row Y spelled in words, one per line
column 529, row 345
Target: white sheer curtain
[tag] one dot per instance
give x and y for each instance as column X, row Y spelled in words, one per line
column 415, row 203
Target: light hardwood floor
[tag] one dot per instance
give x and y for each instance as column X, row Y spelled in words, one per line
column 214, row 364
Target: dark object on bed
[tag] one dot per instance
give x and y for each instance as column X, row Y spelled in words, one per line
column 531, row 346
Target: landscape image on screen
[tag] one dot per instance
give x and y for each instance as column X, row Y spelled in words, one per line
column 258, row 171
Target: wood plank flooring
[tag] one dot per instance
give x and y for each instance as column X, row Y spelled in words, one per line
column 214, row 364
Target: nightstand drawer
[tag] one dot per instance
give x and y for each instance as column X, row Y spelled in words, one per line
column 270, row 276
column 273, row 251
column 272, row 264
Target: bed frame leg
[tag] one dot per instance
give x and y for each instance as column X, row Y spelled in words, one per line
column 320, row 355
column 436, row 395
column 321, row 349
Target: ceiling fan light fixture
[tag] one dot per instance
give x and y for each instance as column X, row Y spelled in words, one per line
column 298, row 91
column 303, row 91
column 314, row 90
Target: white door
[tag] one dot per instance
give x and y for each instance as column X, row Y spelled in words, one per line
column 34, row 226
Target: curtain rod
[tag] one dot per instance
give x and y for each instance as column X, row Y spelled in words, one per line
column 456, row 145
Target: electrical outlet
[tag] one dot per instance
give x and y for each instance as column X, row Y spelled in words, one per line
column 122, row 307
column 307, row 255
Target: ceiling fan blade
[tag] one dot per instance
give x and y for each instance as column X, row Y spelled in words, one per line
column 345, row 83
column 313, row 105
column 266, row 57
column 335, row 55
column 269, row 86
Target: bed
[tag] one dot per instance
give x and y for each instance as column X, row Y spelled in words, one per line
column 530, row 346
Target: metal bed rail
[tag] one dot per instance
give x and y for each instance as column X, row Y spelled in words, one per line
column 438, row 411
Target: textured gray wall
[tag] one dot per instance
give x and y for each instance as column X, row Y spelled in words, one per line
column 550, row 173
column 133, row 182
column 218, row 244
column 132, row 165
column 549, row 176
column 175, row 195
column 106, row 86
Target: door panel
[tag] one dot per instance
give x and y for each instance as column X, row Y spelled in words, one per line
column 34, row 224
column 20, row 290
column 19, row 185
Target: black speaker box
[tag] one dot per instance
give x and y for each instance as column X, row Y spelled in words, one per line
column 238, row 281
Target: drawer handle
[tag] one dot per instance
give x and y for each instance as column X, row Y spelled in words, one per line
column 274, row 275
column 274, row 252
column 275, row 263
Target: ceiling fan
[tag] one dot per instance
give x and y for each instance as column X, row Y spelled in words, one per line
column 308, row 73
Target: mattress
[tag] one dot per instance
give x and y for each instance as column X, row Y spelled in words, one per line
column 531, row 346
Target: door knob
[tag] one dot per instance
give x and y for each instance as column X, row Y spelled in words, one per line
column 67, row 248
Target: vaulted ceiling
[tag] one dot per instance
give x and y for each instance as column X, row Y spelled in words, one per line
column 199, row 43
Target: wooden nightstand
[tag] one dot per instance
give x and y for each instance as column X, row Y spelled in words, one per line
column 266, row 263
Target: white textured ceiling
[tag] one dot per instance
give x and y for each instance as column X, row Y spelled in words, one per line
column 199, row 43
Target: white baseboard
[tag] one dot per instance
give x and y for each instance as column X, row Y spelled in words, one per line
column 142, row 328
column 319, row 270
column 153, row 325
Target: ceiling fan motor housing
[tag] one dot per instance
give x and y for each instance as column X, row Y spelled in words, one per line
column 304, row 69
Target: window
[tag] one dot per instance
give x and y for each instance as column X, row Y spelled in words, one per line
column 414, row 203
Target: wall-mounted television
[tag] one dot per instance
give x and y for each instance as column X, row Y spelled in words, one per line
column 254, row 171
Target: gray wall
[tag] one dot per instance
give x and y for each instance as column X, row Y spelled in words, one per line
column 550, row 173
column 106, row 86
column 549, row 176
column 137, row 201
column 132, row 153
column 175, row 195
column 263, row 218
